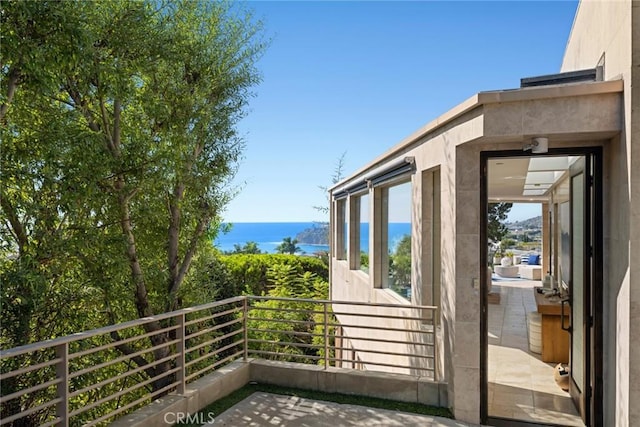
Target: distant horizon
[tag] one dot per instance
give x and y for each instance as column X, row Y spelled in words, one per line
column 519, row 212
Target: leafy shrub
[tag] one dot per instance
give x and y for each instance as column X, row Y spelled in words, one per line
column 248, row 272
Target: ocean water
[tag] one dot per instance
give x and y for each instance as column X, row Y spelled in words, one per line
column 268, row 235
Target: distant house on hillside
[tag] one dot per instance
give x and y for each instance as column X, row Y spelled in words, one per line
column 570, row 143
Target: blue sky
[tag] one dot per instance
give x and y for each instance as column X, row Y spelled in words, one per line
column 358, row 77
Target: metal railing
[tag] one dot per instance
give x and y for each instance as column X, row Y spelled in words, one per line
column 93, row 377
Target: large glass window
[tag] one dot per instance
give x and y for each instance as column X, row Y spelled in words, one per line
column 362, row 243
column 396, row 238
column 341, row 230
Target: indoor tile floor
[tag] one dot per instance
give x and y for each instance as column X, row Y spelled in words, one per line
column 521, row 386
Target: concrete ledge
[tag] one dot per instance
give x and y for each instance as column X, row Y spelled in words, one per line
column 383, row 385
column 286, row 374
column 154, row 413
column 198, row 395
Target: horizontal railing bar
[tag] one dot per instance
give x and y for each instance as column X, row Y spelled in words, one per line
column 230, row 330
column 276, row 331
column 303, row 356
column 212, row 329
column 215, row 365
column 114, row 343
column 28, row 369
column 5, row 399
column 53, row 422
column 379, row 328
column 218, row 351
column 286, row 309
column 212, row 316
column 388, row 353
column 121, row 376
column 213, row 341
column 390, row 365
column 121, row 392
column 318, row 346
column 29, row 411
column 382, row 316
column 119, row 359
column 292, row 322
column 132, row 404
column 387, row 341
column 16, row 351
column 339, row 302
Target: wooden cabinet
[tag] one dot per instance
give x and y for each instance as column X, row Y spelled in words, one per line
column 555, row 340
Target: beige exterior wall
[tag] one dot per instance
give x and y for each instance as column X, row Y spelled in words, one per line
column 500, row 121
column 604, row 33
column 610, row 30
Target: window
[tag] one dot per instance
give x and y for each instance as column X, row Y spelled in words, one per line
column 395, row 238
column 359, row 232
column 341, row 229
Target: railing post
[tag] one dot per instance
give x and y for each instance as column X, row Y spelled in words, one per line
column 181, row 357
column 245, row 325
column 326, row 336
column 62, row 373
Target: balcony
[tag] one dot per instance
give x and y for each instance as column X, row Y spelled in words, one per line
column 135, row 372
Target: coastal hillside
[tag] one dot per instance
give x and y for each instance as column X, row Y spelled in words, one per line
column 534, row 223
column 318, row 234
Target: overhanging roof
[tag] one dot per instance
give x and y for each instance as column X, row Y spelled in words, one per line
column 501, row 100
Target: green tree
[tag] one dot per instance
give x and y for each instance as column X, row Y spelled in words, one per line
column 497, row 214
column 338, row 174
column 400, row 266
column 119, row 141
column 250, row 247
column 288, row 246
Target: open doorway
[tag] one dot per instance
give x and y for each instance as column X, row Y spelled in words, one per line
column 539, row 349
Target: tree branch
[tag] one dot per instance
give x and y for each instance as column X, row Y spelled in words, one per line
column 80, row 103
column 16, row 226
column 12, row 85
column 127, row 350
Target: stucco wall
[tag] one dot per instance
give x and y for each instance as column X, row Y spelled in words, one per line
column 455, row 148
column 610, row 30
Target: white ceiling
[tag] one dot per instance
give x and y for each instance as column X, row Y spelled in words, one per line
column 525, row 179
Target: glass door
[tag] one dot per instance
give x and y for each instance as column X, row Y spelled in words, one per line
column 580, row 284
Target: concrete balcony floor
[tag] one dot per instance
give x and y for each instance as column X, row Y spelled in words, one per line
column 268, row 410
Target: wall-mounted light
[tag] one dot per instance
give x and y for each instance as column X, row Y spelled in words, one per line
column 537, row 145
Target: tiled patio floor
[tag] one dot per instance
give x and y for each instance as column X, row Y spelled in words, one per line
column 521, row 386
column 269, row 410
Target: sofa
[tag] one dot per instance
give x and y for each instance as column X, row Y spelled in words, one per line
column 530, row 267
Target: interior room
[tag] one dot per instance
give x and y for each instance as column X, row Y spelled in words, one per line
column 530, row 352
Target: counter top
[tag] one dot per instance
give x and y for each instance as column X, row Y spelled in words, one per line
column 551, row 305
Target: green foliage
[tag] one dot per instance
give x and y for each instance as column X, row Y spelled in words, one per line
column 507, row 243
column 288, row 246
column 400, row 267
column 497, row 214
column 118, row 127
column 250, row 247
column 293, row 328
column 364, row 260
column 248, row 273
